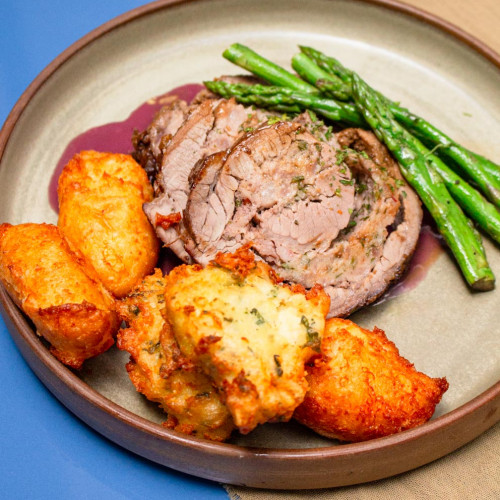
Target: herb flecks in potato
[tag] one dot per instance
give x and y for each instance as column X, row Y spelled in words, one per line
column 160, row 372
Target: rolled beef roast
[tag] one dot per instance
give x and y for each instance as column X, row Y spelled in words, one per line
column 318, row 207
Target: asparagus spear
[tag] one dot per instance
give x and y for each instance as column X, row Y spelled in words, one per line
column 328, row 63
column 285, row 99
column 276, row 75
column 488, row 165
column 318, row 77
column 470, row 200
column 483, row 172
column 421, row 175
column 467, row 162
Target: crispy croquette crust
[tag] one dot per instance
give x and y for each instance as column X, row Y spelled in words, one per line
column 161, row 373
column 363, row 389
column 58, row 290
column 100, row 212
column 250, row 333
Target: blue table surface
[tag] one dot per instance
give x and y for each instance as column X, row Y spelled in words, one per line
column 47, row 452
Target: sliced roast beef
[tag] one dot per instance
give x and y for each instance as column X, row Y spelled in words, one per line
column 212, row 125
column 150, row 144
column 343, row 218
column 319, row 207
column 280, row 188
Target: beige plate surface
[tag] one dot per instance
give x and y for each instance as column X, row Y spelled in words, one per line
column 440, row 326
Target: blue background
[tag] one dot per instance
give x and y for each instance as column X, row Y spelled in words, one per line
column 45, row 451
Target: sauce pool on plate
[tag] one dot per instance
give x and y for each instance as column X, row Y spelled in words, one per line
column 116, row 137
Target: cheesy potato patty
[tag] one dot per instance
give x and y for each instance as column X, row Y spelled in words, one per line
column 54, row 285
column 362, row 388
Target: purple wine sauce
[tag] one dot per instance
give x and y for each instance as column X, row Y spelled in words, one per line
column 429, row 248
column 116, row 138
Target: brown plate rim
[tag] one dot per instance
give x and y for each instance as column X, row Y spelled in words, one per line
column 455, row 428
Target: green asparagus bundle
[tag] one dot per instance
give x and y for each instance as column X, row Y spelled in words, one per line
column 433, row 180
column 246, row 58
column 279, row 77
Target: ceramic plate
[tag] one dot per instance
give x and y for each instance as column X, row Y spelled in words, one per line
column 439, row 325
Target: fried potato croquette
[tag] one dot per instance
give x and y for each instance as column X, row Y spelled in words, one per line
column 251, row 334
column 56, row 288
column 363, row 389
column 160, row 372
column 100, row 212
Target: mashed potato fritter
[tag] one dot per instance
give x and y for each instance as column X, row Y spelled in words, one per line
column 251, row 334
column 100, row 212
column 58, row 290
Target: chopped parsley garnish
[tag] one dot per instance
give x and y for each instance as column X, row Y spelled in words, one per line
column 152, row 348
column 259, row 318
column 301, row 187
column 312, row 115
column 328, row 133
column 273, row 119
column 313, row 340
column 360, row 188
